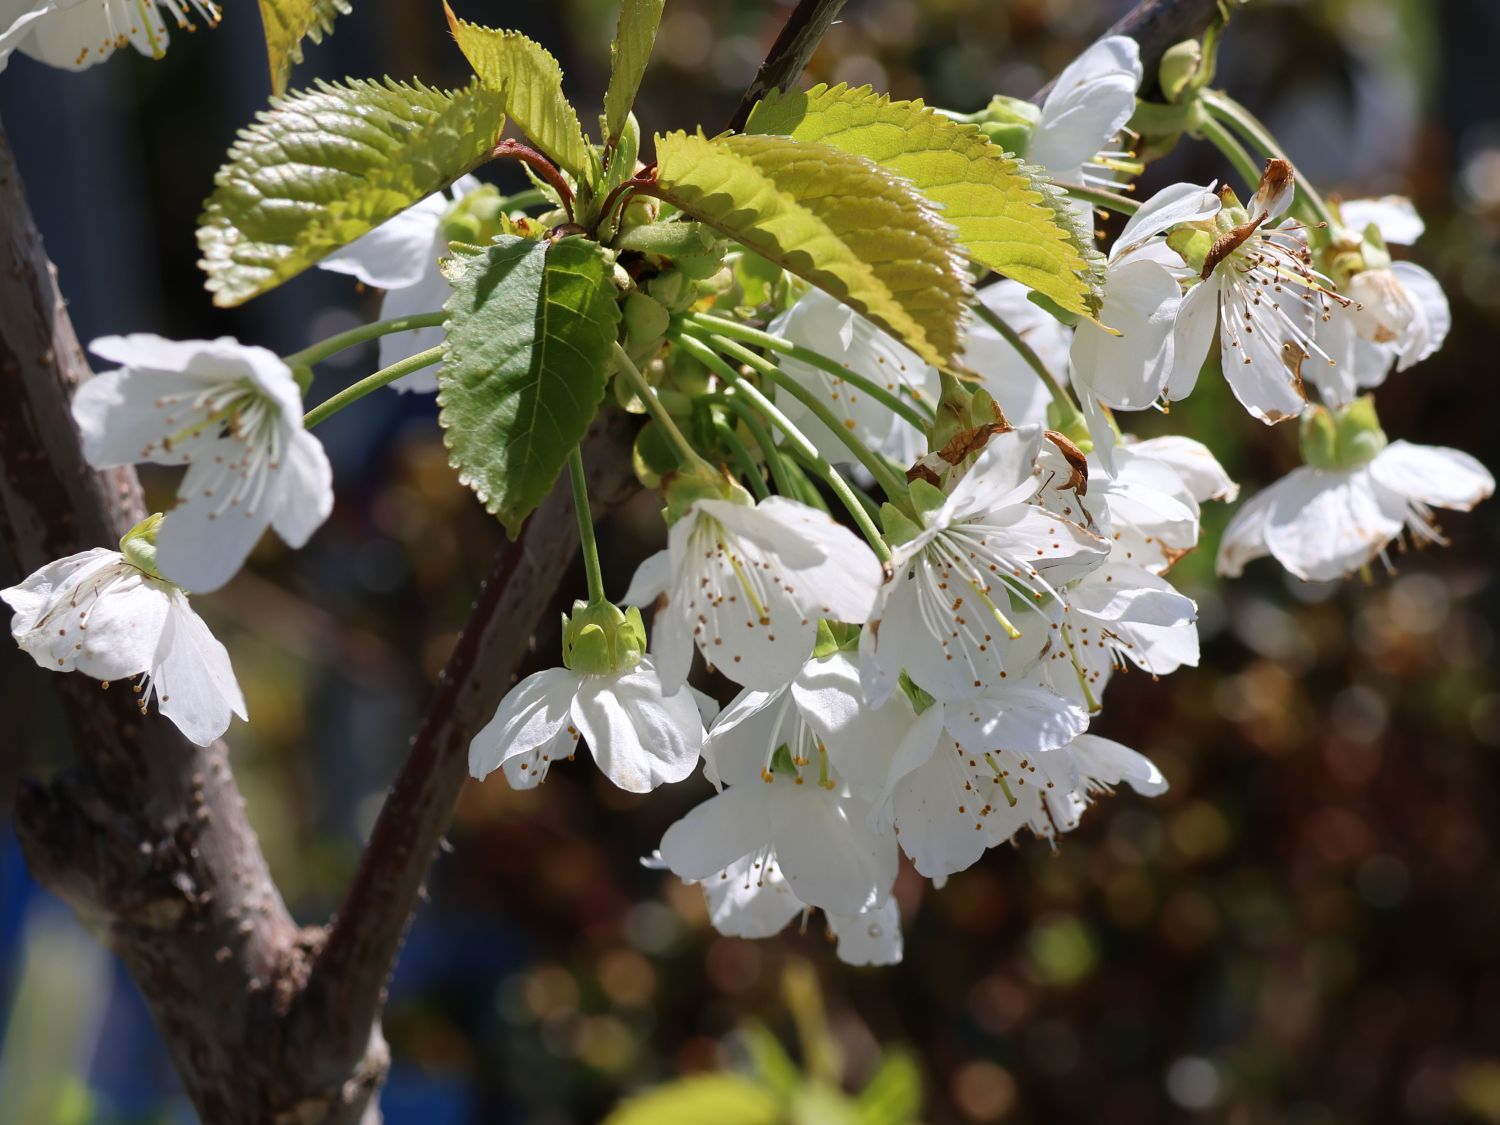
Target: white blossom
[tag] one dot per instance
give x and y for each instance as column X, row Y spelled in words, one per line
column 401, row 257
column 1007, row 377
column 747, row 584
column 232, row 415
column 640, row 737
column 1083, row 113
column 1323, row 524
column 97, row 613
column 826, row 325
column 75, row 34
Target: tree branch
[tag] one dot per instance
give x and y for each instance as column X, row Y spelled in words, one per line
column 146, row 836
column 1156, row 25
column 789, row 55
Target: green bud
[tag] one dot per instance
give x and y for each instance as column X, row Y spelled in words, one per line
column 138, row 545
column 674, row 290
column 1179, row 67
column 1069, row 422
column 1342, row 439
column 1319, row 438
column 685, row 489
column 600, row 639
column 954, row 412
column 646, row 320
column 476, row 218
column 1008, row 122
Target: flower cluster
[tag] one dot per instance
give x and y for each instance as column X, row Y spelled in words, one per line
column 919, row 677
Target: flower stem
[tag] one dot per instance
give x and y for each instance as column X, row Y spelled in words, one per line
column 746, row 413
column 320, row 351
column 1066, row 405
column 1227, row 143
column 1109, row 200
column 585, row 526
column 1316, row 208
column 742, row 457
column 801, row 446
column 663, row 417
column 356, row 391
column 892, row 486
column 920, row 417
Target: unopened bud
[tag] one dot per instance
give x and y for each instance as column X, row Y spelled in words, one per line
column 1179, row 67
column 138, row 545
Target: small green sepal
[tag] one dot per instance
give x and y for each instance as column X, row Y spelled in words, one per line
column 834, row 637
column 600, row 639
column 1343, row 439
column 138, row 545
column 920, row 700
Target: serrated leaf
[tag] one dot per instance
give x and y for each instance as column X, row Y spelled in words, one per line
column 530, row 330
column 287, row 23
column 634, row 37
column 854, row 229
column 323, row 166
column 724, row 1099
column 1007, row 215
column 532, row 82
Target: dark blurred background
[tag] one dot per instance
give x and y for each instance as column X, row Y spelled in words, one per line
column 1304, row 929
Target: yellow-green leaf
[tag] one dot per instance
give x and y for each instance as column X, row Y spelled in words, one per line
column 287, row 23
column 531, row 326
column 532, row 82
column 634, row 38
column 719, row 1099
column 1008, row 216
column 323, row 166
column 854, row 229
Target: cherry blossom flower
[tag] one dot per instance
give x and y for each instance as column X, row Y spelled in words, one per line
column 609, row 695
column 111, row 615
column 748, row 583
column 75, row 34
column 1326, row 520
column 826, row 325
column 401, row 257
column 946, row 614
column 233, row 416
column 1084, row 112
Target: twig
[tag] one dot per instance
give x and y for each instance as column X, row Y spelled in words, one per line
column 515, row 150
column 789, row 55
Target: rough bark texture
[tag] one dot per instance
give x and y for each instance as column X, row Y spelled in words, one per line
column 146, row 835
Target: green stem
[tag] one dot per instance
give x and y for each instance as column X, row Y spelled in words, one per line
column 801, row 447
column 585, row 526
column 647, row 394
column 1316, row 208
column 531, row 197
column 1066, row 404
column 742, row 457
column 356, row 391
column 892, row 486
column 768, row 449
column 920, row 417
column 1109, row 200
column 320, row 351
column 1227, row 143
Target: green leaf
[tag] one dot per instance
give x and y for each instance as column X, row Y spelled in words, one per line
column 634, row 38
column 1006, row 213
column 532, row 82
column 287, row 23
column 530, row 330
column 840, row 221
column 323, row 166
column 894, row 1094
column 723, row 1099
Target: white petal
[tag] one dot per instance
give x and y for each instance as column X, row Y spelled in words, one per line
column 1444, row 478
column 20, row 26
column 1192, row 336
column 193, row 679
column 1089, row 103
column 739, row 746
column 750, row 899
column 640, row 738
column 1177, row 203
column 533, row 716
column 1006, row 376
column 122, row 419
column 652, row 579
column 1101, row 761
column 399, row 251
column 1193, row 462
column 1393, row 215
column 938, row 813
column 1251, row 348
column 1245, row 538
column 870, row 938
column 1002, row 475
column 828, row 855
column 90, row 612
column 305, row 490
column 77, row 35
column 1130, row 370
column 722, row 830
column 1434, row 318
column 1022, row 717
column 1324, row 525
column 200, row 547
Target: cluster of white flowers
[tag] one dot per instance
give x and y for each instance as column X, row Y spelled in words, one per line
column 926, row 687
column 75, row 34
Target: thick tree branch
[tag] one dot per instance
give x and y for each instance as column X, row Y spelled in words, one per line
column 789, row 55
column 146, row 837
column 1156, row 25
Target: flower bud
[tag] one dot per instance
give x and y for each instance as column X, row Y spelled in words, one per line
column 138, row 545
column 1179, row 67
column 600, row 639
column 1008, row 122
column 1343, row 439
column 476, row 218
column 646, row 320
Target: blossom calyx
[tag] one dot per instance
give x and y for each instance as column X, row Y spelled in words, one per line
column 1008, row 122
column 600, row 639
column 682, row 490
column 1342, row 439
column 138, row 545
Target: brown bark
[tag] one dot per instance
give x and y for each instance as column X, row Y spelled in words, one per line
column 146, row 836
